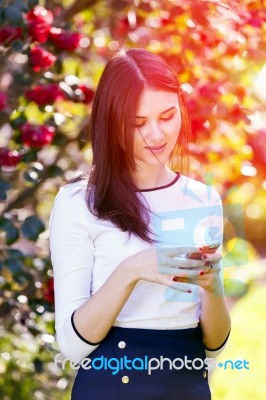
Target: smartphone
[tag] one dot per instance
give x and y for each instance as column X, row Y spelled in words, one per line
column 207, row 248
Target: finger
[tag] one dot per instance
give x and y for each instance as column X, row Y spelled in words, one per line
column 214, row 257
column 181, row 287
column 180, row 262
column 184, row 273
column 176, row 251
column 168, row 281
column 185, row 263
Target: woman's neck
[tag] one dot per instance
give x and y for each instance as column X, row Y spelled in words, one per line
column 152, row 179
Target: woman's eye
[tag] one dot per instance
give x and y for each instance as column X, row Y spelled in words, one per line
column 139, row 124
column 167, row 118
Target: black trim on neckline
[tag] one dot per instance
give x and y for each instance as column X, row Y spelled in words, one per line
column 161, row 187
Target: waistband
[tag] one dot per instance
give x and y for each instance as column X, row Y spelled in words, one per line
column 188, row 332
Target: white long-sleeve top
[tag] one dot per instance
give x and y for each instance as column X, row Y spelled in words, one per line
column 85, row 250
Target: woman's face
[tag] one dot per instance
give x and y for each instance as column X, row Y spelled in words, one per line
column 157, row 126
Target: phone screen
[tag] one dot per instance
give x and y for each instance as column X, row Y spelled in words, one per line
column 207, row 248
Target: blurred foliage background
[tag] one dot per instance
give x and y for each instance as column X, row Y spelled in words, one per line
column 51, row 56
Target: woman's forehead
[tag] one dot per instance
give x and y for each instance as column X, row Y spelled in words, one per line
column 155, row 102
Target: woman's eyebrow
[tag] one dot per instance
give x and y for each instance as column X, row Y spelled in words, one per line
column 163, row 112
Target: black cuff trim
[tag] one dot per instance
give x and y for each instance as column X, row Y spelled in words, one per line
column 218, row 348
column 79, row 335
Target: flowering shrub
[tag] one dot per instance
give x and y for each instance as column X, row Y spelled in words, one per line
column 36, row 135
column 41, row 58
column 39, row 23
column 8, row 34
column 9, row 158
column 65, row 40
column 44, row 94
column 84, row 93
column 40, row 102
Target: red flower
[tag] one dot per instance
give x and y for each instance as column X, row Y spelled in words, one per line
column 40, row 58
column 44, row 94
column 85, row 94
column 3, row 101
column 48, row 294
column 9, row 158
column 35, row 135
column 8, row 34
column 65, row 40
column 39, row 22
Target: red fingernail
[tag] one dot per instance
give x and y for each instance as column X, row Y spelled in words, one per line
column 204, row 257
column 200, row 249
column 207, row 264
column 201, row 273
column 175, row 278
column 189, row 291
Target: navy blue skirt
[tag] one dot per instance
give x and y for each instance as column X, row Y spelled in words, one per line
column 145, row 364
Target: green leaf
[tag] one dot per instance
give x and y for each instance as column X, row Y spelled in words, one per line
column 2, row 16
column 22, row 79
column 14, row 261
column 38, row 365
column 12, row 233
column 18, row 121
column 33, row 3
column 54, row 170
column 17, row 45
column 4, row 187
column 32, row 227
column 19, row 277
column 14, row 16
column 59, row 140
column 14, row 266
column 3, row 223
column 21, row 4
column 58, row 66
column 30, row 156
column 15, row 254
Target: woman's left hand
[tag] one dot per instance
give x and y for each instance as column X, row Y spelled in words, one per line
column 210, row 280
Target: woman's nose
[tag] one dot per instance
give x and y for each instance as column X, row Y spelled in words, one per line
column 155, row 131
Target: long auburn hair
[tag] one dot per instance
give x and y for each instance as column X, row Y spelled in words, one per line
column 111, row 193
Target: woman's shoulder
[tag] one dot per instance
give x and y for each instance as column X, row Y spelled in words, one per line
column 72, row 197
column 75, row 188
column 70, row 208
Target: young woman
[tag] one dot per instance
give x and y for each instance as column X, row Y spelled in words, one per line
column 129, row 300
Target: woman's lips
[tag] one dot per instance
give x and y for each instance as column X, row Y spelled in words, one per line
column 157, row 149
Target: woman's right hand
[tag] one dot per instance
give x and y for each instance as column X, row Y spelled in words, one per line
column 163, row 264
